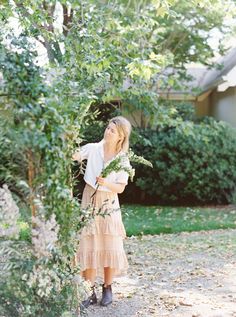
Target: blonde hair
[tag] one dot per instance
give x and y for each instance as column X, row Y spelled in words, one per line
column 124, row 129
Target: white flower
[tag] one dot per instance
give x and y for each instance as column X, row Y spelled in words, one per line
column 9, row 214
column 44, row 236
column 43, row 280
column 84, row 287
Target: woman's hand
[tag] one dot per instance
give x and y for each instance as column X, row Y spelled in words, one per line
column 101, row 181
column 114, row 187
column 76, row 156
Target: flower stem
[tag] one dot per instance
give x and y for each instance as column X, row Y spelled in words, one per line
column 95, row 191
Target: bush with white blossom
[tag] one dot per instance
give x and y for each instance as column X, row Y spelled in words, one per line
column 43, row 280
column 40, row 272
column 9, row 214
column 44, row 236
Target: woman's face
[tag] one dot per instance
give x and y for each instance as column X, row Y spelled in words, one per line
column 111, row 133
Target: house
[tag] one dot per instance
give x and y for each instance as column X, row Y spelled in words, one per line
column 211, row 91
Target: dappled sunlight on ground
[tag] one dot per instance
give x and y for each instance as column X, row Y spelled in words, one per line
column 177, row 275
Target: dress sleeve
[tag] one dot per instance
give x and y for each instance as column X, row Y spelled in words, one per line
column 83, row 152
column 122, row 177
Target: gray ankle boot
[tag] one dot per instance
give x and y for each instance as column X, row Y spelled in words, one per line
column 106, row 295
column 92, row 299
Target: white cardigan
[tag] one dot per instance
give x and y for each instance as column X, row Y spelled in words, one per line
column 94, row 154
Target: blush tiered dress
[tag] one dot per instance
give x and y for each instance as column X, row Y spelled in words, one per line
column 101, row 241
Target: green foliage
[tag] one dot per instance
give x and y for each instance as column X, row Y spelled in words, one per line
column 180, row 110
column 193, row 163
column 37, row 124
column 38, row 132
column 120, row 49
column 120, row 163
column 186, row 31
column 25, row 231
column 117, row 165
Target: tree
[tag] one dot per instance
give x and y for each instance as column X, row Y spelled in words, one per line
column 36, row 149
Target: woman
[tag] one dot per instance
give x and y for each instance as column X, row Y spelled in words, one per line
column 101, row 251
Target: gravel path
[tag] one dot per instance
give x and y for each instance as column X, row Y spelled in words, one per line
column 176, row 275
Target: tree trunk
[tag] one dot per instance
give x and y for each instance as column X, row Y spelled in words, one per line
column 31, row 176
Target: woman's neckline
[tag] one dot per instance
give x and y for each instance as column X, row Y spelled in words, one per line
column 103, row 154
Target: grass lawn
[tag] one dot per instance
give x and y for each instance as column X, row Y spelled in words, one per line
column 140, row 220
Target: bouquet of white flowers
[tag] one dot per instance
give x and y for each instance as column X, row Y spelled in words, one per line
column 120, row 164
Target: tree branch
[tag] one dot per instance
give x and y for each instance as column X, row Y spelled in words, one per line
column 67, row 19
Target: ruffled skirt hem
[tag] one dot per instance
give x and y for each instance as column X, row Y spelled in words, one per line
column 98, row 260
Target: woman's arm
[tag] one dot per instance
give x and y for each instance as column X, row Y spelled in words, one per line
column 76, row 156
column 114, row 187
column 82, row 153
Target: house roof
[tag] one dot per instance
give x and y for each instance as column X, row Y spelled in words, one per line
column 204, row 80
column 214, row 77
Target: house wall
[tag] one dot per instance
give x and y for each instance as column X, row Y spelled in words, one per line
column 223, row 105
column 220, row 105
column 202, row 108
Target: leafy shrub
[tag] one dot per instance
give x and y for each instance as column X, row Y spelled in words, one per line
column 193, row 163
column 180, row 109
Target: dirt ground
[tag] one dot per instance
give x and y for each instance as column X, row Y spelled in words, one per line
column 176, row 275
